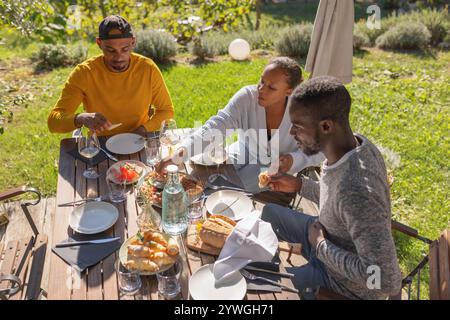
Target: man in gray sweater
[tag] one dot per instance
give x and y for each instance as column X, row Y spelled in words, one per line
column 349, row 246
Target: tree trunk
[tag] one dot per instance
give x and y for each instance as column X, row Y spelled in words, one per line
column 102, row 8
column 258, row 14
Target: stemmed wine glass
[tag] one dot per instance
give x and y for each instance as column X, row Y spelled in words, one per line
column 88, row 147
column 218, row 155
column 168, row 136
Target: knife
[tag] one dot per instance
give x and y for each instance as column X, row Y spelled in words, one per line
column 282, row 274
column 78, row 202
column 79, row 243
column 108, row 154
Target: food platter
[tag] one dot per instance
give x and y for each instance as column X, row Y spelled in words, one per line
column 126, row 171
column 125, row 257
column 150, row 187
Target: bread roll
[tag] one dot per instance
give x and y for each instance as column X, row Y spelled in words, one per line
column 162, row 258
column 264, row 179
column 142, row 265
column 172, row 247
column 215, row 230
column 155, row 236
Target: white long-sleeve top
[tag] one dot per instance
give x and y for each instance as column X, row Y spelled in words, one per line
column 244, row 114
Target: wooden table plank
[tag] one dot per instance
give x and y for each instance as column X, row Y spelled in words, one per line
column 285, row 295
column 110, row 290
column 60, row 282
column 94, row 280
column 79, row 280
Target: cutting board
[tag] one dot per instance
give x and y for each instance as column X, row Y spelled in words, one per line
column 194, row 242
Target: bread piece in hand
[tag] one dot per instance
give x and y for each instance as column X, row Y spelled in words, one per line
column 215, row 230
column 264, row 179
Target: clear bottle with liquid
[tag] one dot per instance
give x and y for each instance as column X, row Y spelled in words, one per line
column 174, row 204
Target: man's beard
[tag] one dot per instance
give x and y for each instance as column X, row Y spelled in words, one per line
column 312, row 148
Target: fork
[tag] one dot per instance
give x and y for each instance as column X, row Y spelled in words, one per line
column 213, row 187
column 228, row 206
column 251, row 276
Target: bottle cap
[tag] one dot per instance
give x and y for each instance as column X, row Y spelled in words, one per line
column 172, row 168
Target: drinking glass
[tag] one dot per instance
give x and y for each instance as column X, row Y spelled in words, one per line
column 116, row 190
column 196, row 209
column 152, row 152
column 169, row 280
column 218, row 156
column 129, row 280
column 168, row 136
column 88, row 147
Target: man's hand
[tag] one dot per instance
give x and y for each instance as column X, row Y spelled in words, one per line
column 316, row 233
column 94, row 121
column 284, row 183
column 286, row 161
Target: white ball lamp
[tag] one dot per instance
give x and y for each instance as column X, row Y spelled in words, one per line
column 239, row 49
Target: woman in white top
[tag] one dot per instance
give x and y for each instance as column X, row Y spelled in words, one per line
column 259, row 114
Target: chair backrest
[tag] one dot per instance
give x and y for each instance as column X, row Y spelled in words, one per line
column 439, row 259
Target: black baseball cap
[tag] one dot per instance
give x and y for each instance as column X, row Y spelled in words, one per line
column 114, row 22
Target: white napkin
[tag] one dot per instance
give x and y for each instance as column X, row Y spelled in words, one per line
column 251, row 240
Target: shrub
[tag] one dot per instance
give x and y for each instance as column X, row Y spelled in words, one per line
column 294, row 41
column 206, row 47
column 436, row 21
column 216, row 43
column 405, row 35
column 52, row 56
column 157, row 45
column 360, row 39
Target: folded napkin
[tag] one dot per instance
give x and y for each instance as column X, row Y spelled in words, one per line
column 83, row 256
column 251, row 240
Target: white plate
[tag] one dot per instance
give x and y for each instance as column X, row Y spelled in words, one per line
column 93, row 217
column 203, row 285
column 117, row 166
column 218, row 201
column 204, row 159
column 125, row 143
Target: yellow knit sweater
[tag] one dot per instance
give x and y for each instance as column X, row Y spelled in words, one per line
column 135, row 97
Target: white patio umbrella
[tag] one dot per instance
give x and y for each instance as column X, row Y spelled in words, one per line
column 331, row 49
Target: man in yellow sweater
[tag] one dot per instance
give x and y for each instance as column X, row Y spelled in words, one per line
column 118, row 86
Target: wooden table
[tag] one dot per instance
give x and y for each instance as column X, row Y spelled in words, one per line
column 100, row 281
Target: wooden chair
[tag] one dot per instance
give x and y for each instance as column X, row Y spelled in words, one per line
column 439, row 260
column 22, row 262
column 439, row 268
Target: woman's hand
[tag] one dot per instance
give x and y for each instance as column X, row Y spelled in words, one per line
column 286, row 161
column 284, row 183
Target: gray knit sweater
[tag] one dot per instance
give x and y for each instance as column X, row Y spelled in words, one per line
column 355, row 209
